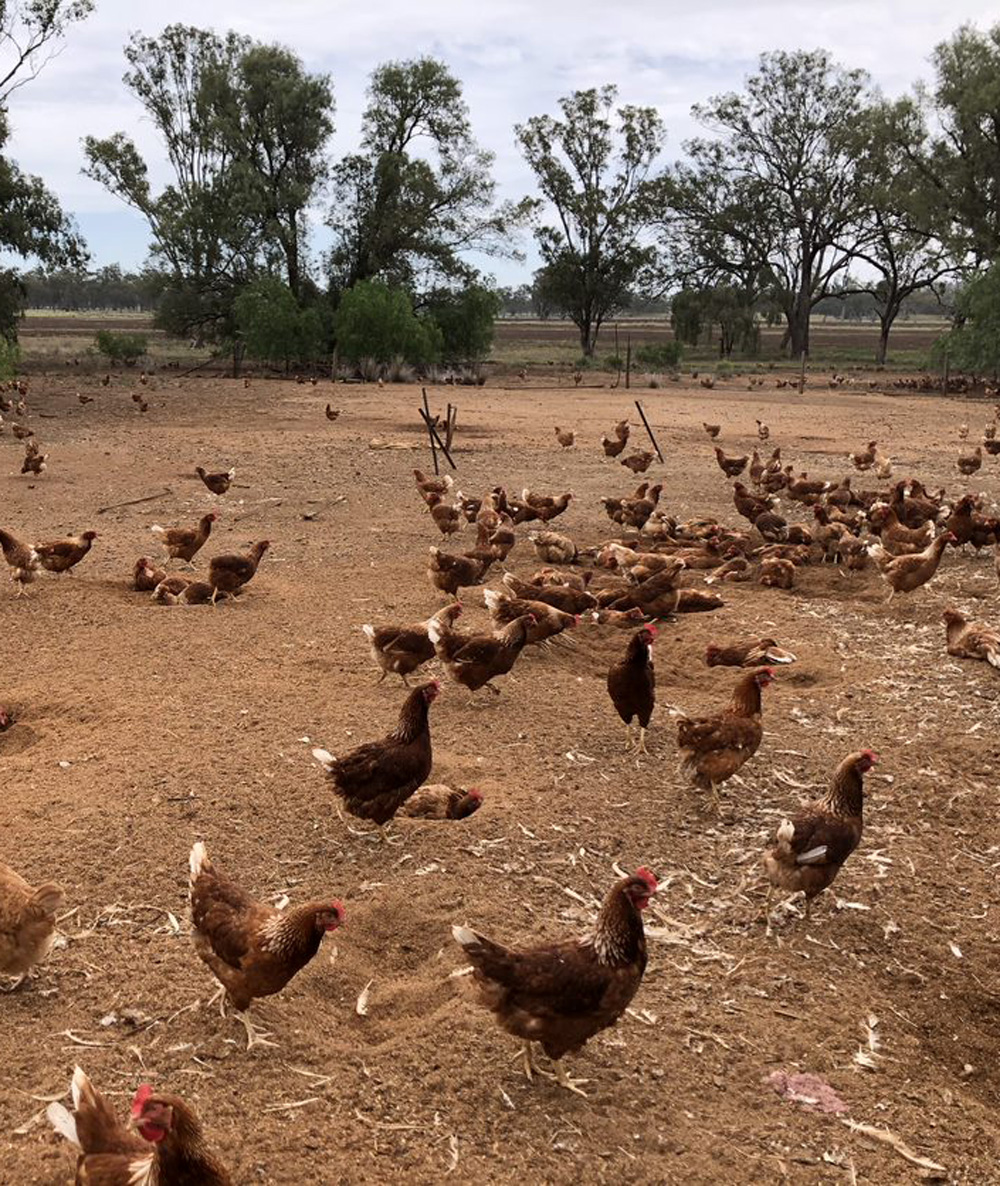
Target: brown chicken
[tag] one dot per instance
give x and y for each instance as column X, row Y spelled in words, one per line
column 811, row 847
column 229, row 573
column 62, row 555
column 446, row 516
column 553, row 548
column 474, row 660
column 896, row 537
column 621, row 433
column 562, row 994
column 638, row 463
column 375, row 779
column 971, row 640
column 22, row 559
column 622, row 619
column 218, row 483
column 570, row 601
column 546, row 507
column 969, row 463
column 970, row 527
column 548, row 621
column 27, row 922
column 635, row 512
column 763, row 432
column 145, row 577
column 777, row 574
column 750, row 506
column 167, row 1148
column 184, row 543
column 34, row 460
column 428, row 486
column 713, row 749
column 332, row 413
column 864, row 459
column 732, row 467
column 772, row 527
column 402, row 649
column 437, row 801
column 450, row 573
column 632, row 685
column 169, row 589
column 252, row 949
column 763, row 652
column 565, row 437
column 903, row 574
column 202, row 593
column 6, row 718
column 711, row 429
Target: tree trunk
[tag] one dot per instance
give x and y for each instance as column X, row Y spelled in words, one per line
column 798, row 331
column 588, row 337
column 882, row 350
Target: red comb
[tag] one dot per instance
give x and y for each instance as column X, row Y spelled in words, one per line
column 139, row 1100
column 648, row 877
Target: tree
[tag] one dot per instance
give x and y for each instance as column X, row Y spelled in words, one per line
column 465, row 318
column 773, row 201
column 593, row 170
column 420, row 192
column 378, row 322
column 974, row 345
column 274, row 327
column 30, row 33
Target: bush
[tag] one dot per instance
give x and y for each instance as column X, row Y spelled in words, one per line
column 660, row 354
column 10, row 355
column 974, row 346
column 274, row 327
column 123, row 348
column 613, row 362
column 377, row 322
column 465, row 319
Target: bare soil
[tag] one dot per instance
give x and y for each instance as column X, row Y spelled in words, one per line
column 141, row 729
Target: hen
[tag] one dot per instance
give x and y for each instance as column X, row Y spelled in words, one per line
column 713, row 749
column 402, row 649
column 375, row 779
column 810, row 847
column 218, row 483
column 23, row 560
column 553, row 548
column 566, row 437
column 447, row 516
column 27, row 922
column 632, row 685
column 184, row 543
column 475, row 660
column 62, row 555
column 760, row 653
column 145, row 577
column 252, row 949
column 570, row 601
column 638, row 463
column 732, row 467
column 864, row 459
column 613, row 447
column 546, row 506
column 450, row 573
column 229, row 573
column 971, row 640
column 903, row 574
column 969, row 463
column 168, row 1148
column 428, row 486
column 437, row 801
column 562, row 994
column 548, row 621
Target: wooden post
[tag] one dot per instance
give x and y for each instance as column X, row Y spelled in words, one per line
column 802, row 373
column 628, row 361
column 450, row 426
column 618, row 358
column 649, row 430
column 426, row 413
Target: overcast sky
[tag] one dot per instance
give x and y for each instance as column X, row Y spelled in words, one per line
column 514, row 58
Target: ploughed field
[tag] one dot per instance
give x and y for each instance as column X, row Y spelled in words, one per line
column 143, row 728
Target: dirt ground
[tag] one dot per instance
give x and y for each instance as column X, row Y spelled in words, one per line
column 141, row 729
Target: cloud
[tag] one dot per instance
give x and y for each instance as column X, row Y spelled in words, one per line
column 514, row 58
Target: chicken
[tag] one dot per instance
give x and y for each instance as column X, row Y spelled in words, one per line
column 548, row 621
column 807, row 490
column 735, row 569
column 202, row 593
column 963, row 432
column 428, row 486
column 696, row 601
column 34, row 461
column 218, row 483
column 62, row 555
column 168, row 1147
column 565, row 437
column 713, row 749
column 332, row 413
column 27, row 922
column 450, row 573
column 553, row 548
column 546, row 507
column 503, row 538
column 623, row 619
column 562, row 994
column 969, row 527
column 475, row 660
column 763, row 432
column 570, row 601
column 759, row 653
column 864, row 459
column 711, row 429
column 638, row 463
column 750, row 506
column 612, row 448
column 375, row 779
column 402, row 649
column 230, row 572
column 632, row 685
column 23, row 560
column 903, row 574
column 971, row 640
column 251, row 948
column 898, row 539
column 968, row 463
column 184, row 543
column 437, row 801
column 446, row 516
column 145, row 577
column 732, row 467
column 6, row 718
column 169, row 589
column 777, row 574
column 810, row 848
column 772, row 527
column 635, row 512
column 22, row 432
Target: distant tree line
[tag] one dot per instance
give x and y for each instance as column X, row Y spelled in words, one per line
column 806, row 191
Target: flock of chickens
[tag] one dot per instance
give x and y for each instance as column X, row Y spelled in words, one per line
column 555, row 996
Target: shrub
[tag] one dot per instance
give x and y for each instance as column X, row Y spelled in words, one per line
column 974, row 346
column 465, row 319
column 10, row 355
column 613, row 362
column 660, row 354
column 274, row 327
column 124, row 348
column 376, row 321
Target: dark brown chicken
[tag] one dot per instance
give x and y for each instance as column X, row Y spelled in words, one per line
column 760, row 653
column 375, row 779
column 62, row 555
column 229, row 573
column 713, row 749
column 184, row 543
column 969, row 463
column 402, row 649
column 23, row 560
column 447, row 517
column 562, row 994
column 437, row 801
column 546, row 507
column 613, row 447
column 436, row 486
column 864, row 459
column 570, row 601
column 167, row 1148
column 811, row 847
column 475, row 660
column 632, row 685
column 969, row 527
column 450, row 573
column 251, row 948
column 732, row 467
column 548, row 621
column 638, row 463
column 971, row 640
column 711, row 429
column 219, row 482
column 145, row 577
column 750, row 506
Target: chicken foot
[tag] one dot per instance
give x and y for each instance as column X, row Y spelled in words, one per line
column 255, row 1037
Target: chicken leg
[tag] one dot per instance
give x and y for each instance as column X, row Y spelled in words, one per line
column 563, row 1079
column 255, row 1037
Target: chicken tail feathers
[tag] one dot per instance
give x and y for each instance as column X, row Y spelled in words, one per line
column 369, row 632
column 62, row 1121
column 815, row 856
column 47, row 898
column 198, row 862
column 325, row 759
column 156, row 529
column 993, row 655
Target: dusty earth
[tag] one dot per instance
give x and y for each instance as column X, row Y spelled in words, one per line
column 141, row 729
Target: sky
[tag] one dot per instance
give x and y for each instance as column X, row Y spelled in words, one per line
column 514, row 58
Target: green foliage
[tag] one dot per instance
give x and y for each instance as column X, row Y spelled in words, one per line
column 687, row 313
column 121, row 347
column 974, row 345
column 10, row 357
column 660, row 354
column 274, row 327
column 593, row 167
column 465, row 319
column 376, row 321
